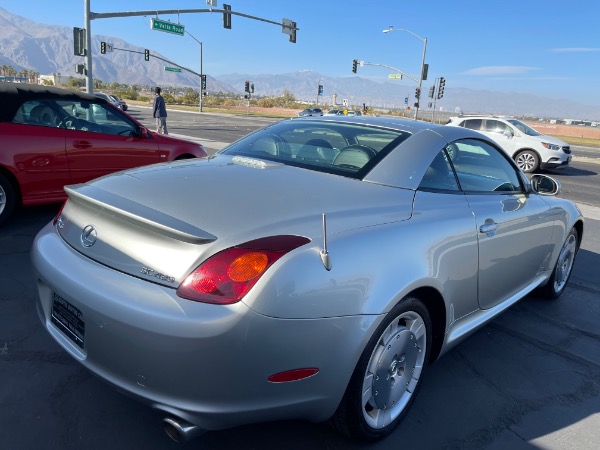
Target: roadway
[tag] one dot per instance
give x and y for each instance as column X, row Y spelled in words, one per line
column 530, row 379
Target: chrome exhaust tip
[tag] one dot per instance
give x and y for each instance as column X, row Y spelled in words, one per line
column 179, row 430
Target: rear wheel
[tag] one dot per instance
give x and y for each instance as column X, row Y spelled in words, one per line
column 7, row 198
column 563, row 268
column 388, row 374
column 528, row 161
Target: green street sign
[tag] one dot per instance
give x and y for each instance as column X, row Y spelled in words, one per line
column 395, row 76
column 167, row 27
column 172, row 69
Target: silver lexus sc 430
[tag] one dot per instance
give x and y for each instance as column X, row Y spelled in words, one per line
column 311, row 270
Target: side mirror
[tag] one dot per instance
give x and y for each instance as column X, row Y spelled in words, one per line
column 545, row 185
column 142, row 132
column 508, row 133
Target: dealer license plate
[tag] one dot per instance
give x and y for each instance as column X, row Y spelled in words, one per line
column 68, row 319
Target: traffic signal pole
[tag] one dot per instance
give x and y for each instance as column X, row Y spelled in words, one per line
column 287, row 26
column 89, row 79
column 424, row 67
column 419, row 80
column 423, row 75
column 201, row 72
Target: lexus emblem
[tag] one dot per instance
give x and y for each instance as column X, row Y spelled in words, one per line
column 89, row 236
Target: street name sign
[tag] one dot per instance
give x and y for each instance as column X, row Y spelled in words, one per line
column 172, row 69
column 395, row 76
column 167, row 27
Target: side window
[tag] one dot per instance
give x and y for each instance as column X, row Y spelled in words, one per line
column 495, row 126
column 37, row 112
column 439, row 175
column 482, row 168
column 82, row 115
column 473, row 124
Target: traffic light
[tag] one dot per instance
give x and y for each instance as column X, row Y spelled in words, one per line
column 252, row 87
column 78, row 41
column 147, row 55
column 293, row 33
column 103, row 47
column 418, row 93
column 226, row 16
column 441, row 88
column 354, row 64
column 431, row 91
column 424, row 72
column 203, row 82
column 247, row 86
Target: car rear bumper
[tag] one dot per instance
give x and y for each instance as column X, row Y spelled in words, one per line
column 207, row 364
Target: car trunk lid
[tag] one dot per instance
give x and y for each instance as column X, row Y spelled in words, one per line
column 159, row 222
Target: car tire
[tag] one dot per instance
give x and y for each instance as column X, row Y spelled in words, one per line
column 388, row 374
column 528, row 161
column 563, row 268
column 7, row 198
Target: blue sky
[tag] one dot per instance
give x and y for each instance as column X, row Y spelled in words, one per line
column 545, row 47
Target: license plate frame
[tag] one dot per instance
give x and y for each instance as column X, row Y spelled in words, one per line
column 68, row 319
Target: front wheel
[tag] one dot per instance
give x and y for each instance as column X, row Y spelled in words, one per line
column 563, row 268
column 528, row 161
column 388, row 374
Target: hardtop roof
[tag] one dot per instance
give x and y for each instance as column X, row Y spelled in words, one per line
column 13, row 95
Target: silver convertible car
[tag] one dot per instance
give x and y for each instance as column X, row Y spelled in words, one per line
column 311, row 270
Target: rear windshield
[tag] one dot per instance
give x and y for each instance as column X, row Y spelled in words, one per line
column 341, row 148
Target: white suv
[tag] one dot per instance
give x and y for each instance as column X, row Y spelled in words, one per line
column 530, row 150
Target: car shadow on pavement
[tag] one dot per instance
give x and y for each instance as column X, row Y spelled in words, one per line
column 570, row 172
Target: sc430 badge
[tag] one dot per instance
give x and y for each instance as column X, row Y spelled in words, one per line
column 155, row 274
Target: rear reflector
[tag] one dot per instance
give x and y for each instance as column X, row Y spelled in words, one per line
column 293, row 375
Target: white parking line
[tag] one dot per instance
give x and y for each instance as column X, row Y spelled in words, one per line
column 589, row 212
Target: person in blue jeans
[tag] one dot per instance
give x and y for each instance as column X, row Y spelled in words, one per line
column 160, row 112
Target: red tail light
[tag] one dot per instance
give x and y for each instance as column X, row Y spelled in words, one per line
column 227, row 276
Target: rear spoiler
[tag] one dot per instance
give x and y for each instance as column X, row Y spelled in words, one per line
column 139, row 215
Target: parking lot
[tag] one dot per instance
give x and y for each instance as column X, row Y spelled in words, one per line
column 530, row 379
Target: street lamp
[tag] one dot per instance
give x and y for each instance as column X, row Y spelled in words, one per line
column 201, row 73
column 424, row 40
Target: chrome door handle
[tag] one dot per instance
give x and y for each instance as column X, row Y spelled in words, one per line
column 488, row 228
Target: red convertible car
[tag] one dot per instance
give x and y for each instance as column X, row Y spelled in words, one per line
column 51, row 137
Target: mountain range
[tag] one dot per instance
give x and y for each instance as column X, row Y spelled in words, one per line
column 48, row 49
